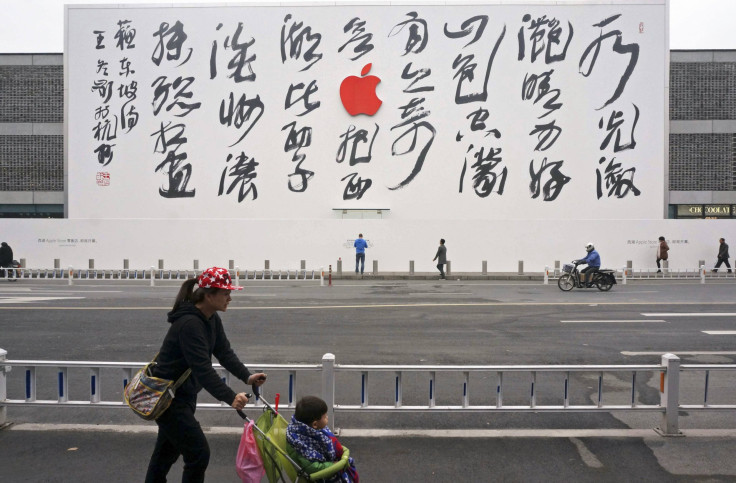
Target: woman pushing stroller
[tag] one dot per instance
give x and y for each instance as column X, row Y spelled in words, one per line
column 195, row 335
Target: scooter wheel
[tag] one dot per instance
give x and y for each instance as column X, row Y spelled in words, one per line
column 604, row 286
column 566, row 282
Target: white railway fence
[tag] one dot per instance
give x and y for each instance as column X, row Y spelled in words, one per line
column 153, row 274
column 669, row 371
column 626, row 273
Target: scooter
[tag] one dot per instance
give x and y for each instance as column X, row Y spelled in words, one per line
column 603, row 279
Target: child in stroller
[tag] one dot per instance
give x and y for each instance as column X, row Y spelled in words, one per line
column 311, row 443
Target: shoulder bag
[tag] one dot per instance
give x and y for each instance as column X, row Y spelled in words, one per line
column 150, row 396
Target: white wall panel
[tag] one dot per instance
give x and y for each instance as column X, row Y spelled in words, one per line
column 130, row 219
column 394, row 243
column 582, row 119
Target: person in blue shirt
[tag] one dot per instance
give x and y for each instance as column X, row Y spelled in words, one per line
column 593, row 260
column 360, row 246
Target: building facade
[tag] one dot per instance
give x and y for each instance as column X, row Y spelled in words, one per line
column 702, row 141
column 31, row 136
column 702, row 163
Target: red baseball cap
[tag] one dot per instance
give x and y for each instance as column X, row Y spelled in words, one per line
column 216, row 277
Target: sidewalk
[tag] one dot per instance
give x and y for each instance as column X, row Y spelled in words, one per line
column 117, row 454
column 520, row 277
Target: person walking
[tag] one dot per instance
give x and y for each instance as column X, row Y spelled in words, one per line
column 360, row 246
column 662, row 250
column 195, row 335
column 722, row 255
column 6, row 258
column 441, row 258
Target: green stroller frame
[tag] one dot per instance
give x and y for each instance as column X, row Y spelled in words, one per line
column 270, row 434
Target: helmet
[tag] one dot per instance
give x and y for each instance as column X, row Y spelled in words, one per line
column 589, row 247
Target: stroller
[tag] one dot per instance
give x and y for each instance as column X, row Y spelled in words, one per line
column 270, row 435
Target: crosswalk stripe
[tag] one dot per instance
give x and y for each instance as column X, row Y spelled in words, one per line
column 692, row 314
column 682, row 353
column 612, row 321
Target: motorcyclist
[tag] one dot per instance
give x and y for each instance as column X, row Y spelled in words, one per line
column 593, row 260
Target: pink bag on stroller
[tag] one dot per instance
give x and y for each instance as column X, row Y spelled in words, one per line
column 248, row 462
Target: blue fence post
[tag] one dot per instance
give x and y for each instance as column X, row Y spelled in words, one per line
column 63, row 384
column 398, row 394
column 95, row 385
column 127, row 376
column 364, row 389
column 432, row 388
column 292, row 389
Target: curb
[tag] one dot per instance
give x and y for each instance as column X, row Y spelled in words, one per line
column 399, row 433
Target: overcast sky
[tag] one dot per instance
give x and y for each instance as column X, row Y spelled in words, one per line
column 31, row 26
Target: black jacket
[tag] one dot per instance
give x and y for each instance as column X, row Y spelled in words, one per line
column 190, row 343
column 723, row 251
column 6, row 255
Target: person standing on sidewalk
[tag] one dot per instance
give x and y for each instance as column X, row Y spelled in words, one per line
column 360, row 246
column 722, row 255
column 441, row 258
column 6, row 258
column 662, row 250
column 195, row 335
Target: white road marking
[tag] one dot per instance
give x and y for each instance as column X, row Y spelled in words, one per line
column 692, row 314
column 25, row 300
column 441, row 293
column 381, row 306
column 88, row 308
column 428, row 283
column 684, row 353
column 613, row 321
column 55, row 292
column 586, row 455
column 720, row 332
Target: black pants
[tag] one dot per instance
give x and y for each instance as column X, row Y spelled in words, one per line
column 360, row 260
column 585, row 272
column 179, row 434
column 441, row 269
column 722, row 260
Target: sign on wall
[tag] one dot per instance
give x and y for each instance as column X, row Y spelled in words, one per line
column 290, row 112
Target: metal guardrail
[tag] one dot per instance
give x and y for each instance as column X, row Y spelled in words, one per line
column 669, row 371
column 677, row 273
column 624, row 274
column 152, row 273
column 70, row 274
column 126, row 371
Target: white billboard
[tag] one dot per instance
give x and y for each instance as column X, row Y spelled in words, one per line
column 441, row 112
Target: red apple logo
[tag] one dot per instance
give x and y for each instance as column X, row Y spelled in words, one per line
column 358, row 94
